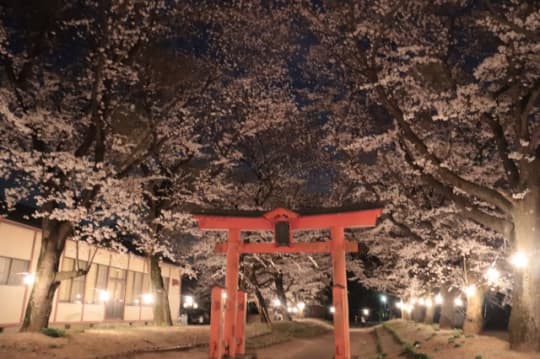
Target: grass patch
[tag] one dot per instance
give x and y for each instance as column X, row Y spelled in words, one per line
column 409, row 350
column 380, row 352
column 53, row 332
column 283, row 332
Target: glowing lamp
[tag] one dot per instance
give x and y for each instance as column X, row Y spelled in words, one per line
column 399, row 304
column 332, row 309
column 428, row 303
column 492, row 275
column 519, row 260
column 438, row 299
column 421, row 301
column 276, row 302
column 104, row 296
column 365, row 311
column 29, row 278
column 195, row 305
column 301, row 306
column 148, row 298
column 458, row 302
column 384, row 298
column 470, row 290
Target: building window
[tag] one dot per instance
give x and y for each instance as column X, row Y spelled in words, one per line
column 134, row 288
column 12, row 271
column 72, row 290
column 102, row 275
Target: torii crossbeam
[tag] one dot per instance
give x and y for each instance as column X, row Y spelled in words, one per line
column 227, row 334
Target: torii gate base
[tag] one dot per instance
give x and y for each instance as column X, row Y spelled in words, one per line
column 228, row 312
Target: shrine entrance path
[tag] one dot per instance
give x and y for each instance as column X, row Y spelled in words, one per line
column 322, row 347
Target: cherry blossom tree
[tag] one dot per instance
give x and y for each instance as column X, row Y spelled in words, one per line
column 465, row 110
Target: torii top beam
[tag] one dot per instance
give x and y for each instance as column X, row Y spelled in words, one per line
column 350, row 219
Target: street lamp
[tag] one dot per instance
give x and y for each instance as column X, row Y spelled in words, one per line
column 384, row 299
column 148, row 298
column 470, row 290
column 365, row 311
column 492, row 275
column 438, row 299
column 332, row 309
column 519, row 260
column 458, row 302
column 29, row 278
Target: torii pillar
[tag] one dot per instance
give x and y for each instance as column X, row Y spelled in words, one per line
column 227, row 335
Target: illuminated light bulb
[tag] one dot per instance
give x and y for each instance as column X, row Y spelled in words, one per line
column 428, row 303
column 519, row 260
column 470, row 290
column 458, row 302
column 276, row 302
column 148, row 298
column 384, row 298
column 399, row 304
column 301, row 306
column 332, row 309
column 365, row 311
column 224, row 295
column 29, row 278
column 492, row 275
column 413, row 301
column 104, row 296
column 422, row 301
column 188, row 301
column 195, row 305
column 438, row 299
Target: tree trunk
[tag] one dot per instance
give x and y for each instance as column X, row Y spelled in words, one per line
column 430, row 312
column 524, row 325
column 447, row 310
column 39, row 306
column 418, row 313
column 263, row 308
column 474, row 321
column 280, row 290
column 162, row 311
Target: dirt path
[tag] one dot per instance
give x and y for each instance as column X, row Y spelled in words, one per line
column 362, row 345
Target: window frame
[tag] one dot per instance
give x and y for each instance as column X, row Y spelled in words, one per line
column 10, row 275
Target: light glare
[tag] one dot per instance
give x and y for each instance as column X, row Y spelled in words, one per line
column 519, row 260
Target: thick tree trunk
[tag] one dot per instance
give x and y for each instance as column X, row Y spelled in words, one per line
column 447, row 310
column 39, row 306
column 418, row 313
column 263, row 308
column 281, row 294
column 524, row 325
column 474, row 321
column 430, row 312
column 162, row 311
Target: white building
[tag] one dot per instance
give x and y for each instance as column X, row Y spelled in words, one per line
column 116, row 288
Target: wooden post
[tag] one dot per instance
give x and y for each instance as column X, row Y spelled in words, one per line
column 241, row 323
column 216, row 323
column 231, row 286
column 342, row 338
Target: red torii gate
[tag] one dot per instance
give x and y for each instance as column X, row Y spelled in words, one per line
column 227, row 331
